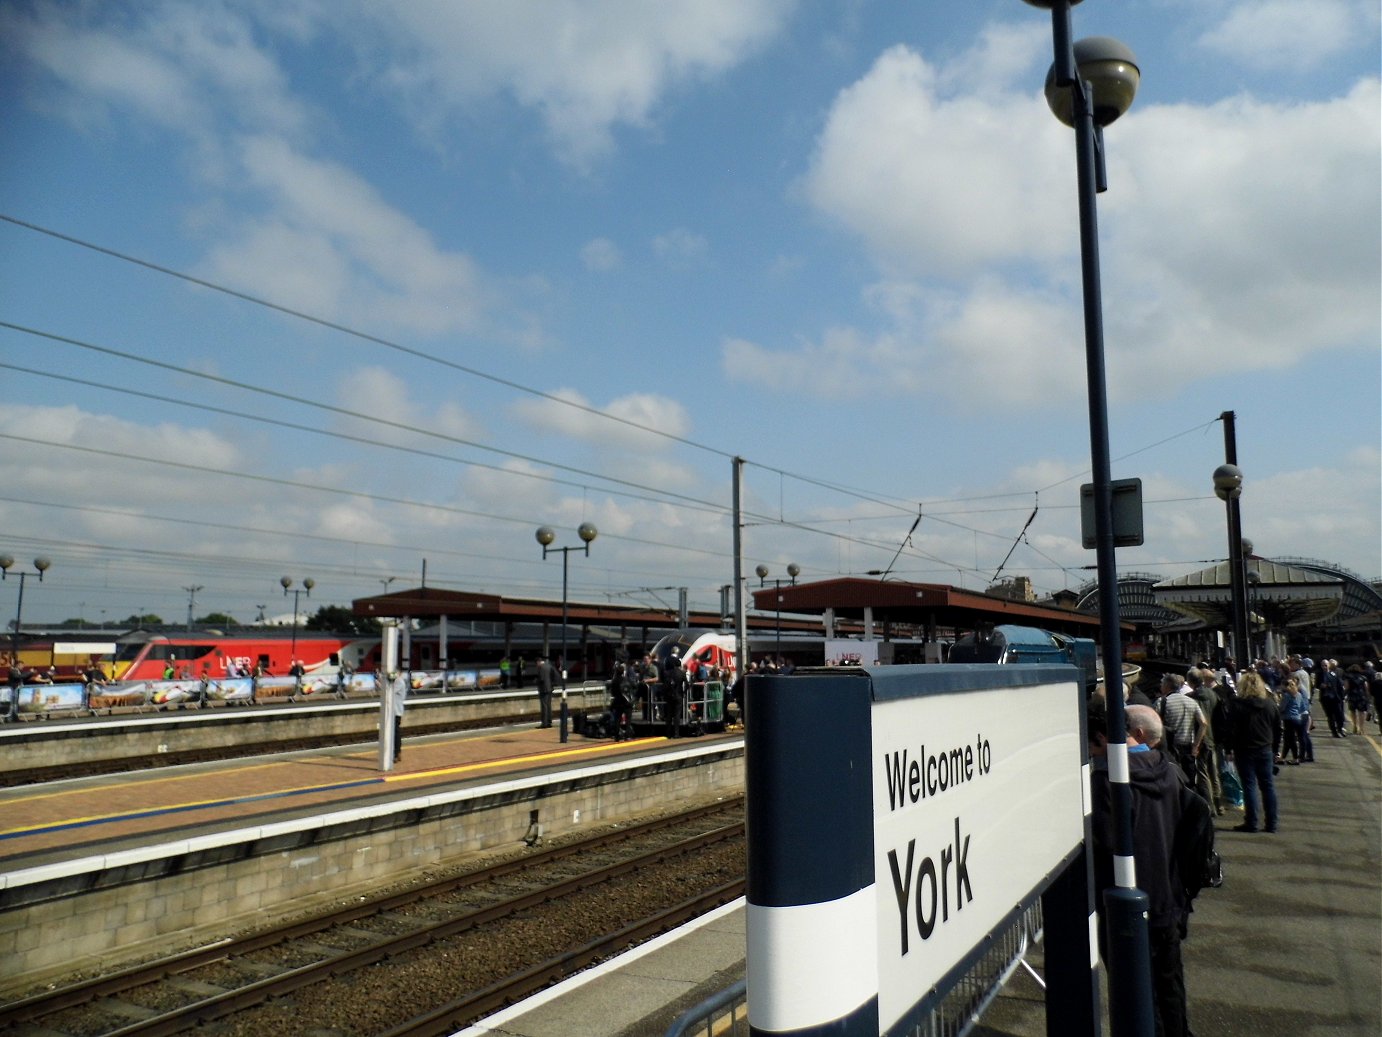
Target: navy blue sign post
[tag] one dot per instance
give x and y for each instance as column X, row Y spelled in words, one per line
column 899, row 818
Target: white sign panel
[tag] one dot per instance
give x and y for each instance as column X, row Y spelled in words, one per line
column 976, row 797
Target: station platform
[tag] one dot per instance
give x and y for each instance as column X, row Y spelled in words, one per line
column 212, row 845
column 64, row 821
column 1290, row 944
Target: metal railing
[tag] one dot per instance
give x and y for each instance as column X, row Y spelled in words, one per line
column 726, row 1013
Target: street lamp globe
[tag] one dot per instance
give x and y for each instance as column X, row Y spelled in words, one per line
column 309, row 583
column 762, row 571
column 6, row 561
column 545, row 535
column 793, row 570
column 1228, row 482
column 587, row 531
column 1110, row 69
column 42, row 565
column 285, row 582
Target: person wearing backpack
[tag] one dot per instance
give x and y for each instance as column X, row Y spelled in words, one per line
column 1185, row 727
column 1157, row 792
column 1202, row 691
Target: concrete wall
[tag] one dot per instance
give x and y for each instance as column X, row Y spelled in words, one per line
column 128, row 905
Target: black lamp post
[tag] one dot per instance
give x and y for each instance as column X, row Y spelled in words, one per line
column 545, row 535
column 1228, row 487
column 1091, row 83
column 1254, row 580
column 793, row 571
column 307, row 585
column 41, row 566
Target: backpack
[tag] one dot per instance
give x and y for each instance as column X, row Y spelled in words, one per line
column 1197, row 860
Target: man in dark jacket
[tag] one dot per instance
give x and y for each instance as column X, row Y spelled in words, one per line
column 547, row 677
column 1156, row 812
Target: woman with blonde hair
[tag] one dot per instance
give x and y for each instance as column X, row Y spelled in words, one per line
column 1256, row 737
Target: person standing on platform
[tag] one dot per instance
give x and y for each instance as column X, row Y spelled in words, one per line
column 546, row 679
column 1330, row 692
column 398, row 689
column 673, row 693
column 505, row 667
column 1374, row 676
column 1356, row 693
column 1256, row 739
column 518, row 672
column 1156, row 813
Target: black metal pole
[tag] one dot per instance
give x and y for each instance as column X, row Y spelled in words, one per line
column 293, row 651
column 1242, row 652
column 18, row 618
column 1125, row 906
column 565, row 714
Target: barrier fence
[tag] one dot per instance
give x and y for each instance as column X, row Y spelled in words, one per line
column 961, row 1007
column 35, row 700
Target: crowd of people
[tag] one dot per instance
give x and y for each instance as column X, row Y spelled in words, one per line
column 1223, row 738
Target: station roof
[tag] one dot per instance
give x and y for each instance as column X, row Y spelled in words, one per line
column 431, row 603
column 919, row 604
column 1286, row 595
column 891, row 601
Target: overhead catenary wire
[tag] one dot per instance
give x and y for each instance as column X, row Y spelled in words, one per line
column 883, row 500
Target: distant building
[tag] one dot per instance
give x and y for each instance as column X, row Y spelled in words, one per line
column 1017, row 588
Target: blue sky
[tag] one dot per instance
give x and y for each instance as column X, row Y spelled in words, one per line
column 838, row 240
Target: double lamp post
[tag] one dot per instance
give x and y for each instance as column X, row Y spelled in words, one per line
column 545, row 536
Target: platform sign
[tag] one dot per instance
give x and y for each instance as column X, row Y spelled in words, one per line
column 915, row 808
column 977, row 797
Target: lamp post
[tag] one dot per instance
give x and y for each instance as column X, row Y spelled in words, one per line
column 307, row 585
column 1254, row 580
column 1090, row 84
column 545, row 535
column 41, row 566
column 1228, row 487
column 793, row 571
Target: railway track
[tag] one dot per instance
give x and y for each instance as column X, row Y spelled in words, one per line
column 461, row 946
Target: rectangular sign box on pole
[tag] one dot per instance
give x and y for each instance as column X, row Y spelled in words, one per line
column 897, row 817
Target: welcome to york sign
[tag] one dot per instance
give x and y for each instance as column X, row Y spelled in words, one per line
column 897, row 816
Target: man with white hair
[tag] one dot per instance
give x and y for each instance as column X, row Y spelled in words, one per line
column 1156, row 814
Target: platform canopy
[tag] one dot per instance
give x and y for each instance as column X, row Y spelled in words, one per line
column 929, row 606
column 1284, row 595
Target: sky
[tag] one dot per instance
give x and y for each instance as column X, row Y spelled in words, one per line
column 356, row 292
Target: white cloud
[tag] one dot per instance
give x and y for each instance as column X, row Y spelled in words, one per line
column 1294, row 35
column 378, row 391
column 1244, row 235
column 586, row 68
column 1236, row 236
column 680, row 247
column 927, row 180
column 182, row 66
column 331, row 246
column 646, row 409
column 601, row 254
